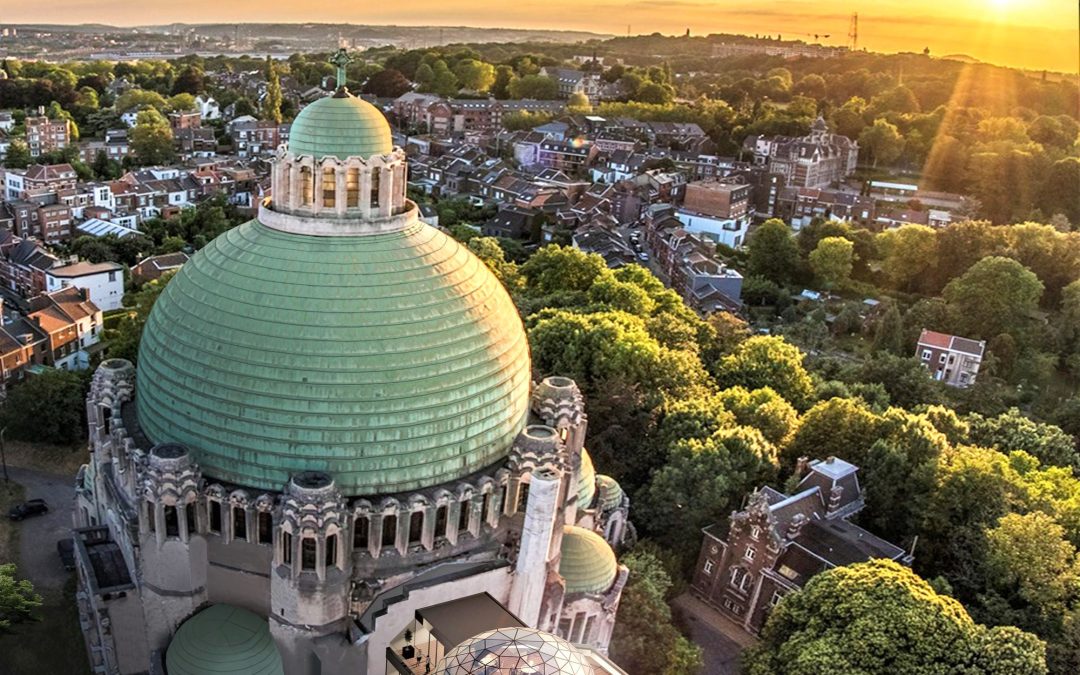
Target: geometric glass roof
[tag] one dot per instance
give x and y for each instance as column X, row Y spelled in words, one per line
column 514, row 651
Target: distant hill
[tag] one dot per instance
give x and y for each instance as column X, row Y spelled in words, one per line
column 963, row 58
column 322, row 33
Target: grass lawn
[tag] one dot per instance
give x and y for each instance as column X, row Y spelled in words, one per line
column 53, row 644
column 58, row 459
column 50, row 646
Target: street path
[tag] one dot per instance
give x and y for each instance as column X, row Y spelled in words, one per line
column 38, row 560
column 720, row 639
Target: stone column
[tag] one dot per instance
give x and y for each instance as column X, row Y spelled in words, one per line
column 341, row 195
column 295, row 187
column 530, row 573
column 365, row 190
column 386, row 191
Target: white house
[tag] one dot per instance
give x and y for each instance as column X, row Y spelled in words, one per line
column 728, row 231
column 103, row 281
column 208, row 108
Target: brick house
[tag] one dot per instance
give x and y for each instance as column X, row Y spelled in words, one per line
column 152, row 268
column 778, row 542
column 73, row 324
column 45, row 135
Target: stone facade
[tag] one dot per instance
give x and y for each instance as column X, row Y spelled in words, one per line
column 326, row 568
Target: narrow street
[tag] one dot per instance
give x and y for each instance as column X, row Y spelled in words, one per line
column 722, row 641
column 38, row 535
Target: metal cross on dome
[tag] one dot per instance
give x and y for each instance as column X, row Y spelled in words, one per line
column 341, row 60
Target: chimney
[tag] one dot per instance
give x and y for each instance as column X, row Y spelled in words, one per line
column 41, row 110
column 802, row 465
column 795, row 526
column 835, row 495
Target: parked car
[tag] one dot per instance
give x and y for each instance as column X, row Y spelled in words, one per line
column 644, row 257
column 32, row 507
column 66, row 549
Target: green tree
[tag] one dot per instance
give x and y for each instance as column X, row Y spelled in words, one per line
column 702, row 481
column 889, row 332
column 1032, row 572
column 909, row 255
column 475, row 75
column 839, row 427
column 152, row 138
column 135, row 99
column 773, row 253
column 123, row 340
column 500, row 88
column 271, row 104
column 561, row 269
column 537, row 87
column 1013, row 430
column 997, row 295
column 47, row 408
column 878, row 617
column 882, row 141
column 645, row 639
column 832, row 261
column 17, row 598
column 18, row 155
column 387, row 83
column 579, row 101
column 767, row 361
column 761, row 409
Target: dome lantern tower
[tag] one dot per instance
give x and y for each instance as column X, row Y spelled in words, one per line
column 339, row 167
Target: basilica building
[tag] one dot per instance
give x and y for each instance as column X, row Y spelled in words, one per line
column 332, row 456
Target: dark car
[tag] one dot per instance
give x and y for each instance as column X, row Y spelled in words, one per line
column 32, row 507
column 66, row 549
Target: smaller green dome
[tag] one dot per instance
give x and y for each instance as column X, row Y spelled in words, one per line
column 586, row 487
column 587, row 564
column 223, row 639
column 340, row 126
column 611, row 493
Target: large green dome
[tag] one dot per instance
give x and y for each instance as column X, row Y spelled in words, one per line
column 392, row 361
column 340, row 126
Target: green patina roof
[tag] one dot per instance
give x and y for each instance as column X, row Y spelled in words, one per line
column 611, row 492
column 341, row 127
column 587, row 563
column 586, row 487
column 392, row 361
column 223, row 639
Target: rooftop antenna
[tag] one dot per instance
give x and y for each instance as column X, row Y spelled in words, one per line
column 853, row 32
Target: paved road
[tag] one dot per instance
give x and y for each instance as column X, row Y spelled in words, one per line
column 38, row 535
column 721, row 641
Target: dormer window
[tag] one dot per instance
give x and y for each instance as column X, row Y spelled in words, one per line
column 755, row 532
column 750, row 553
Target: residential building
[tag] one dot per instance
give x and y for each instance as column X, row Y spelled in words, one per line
column 16, row 353
column 73, row 324
column 56, row 222
column 779, row 542
column 44, row 135
column 718, row 209
column 600, row 237
column 572, row 82
column 103, row 282
column 950, row 359
column 23, row 267
column 691, row 266
column 152, row 268
column 818, row 159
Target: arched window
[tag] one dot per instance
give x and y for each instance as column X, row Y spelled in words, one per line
column 416, row 526
column 376, row 175
column 463, row 515
column 441, row 515
column 331, row 550
column 389, row 530
column 189, row 515
column 286, row 548
column 352, row 188
column 329, row 187
column 150, row 516
column 172, row 522
column 239, row 523
column 307, row 554
column 215, row 516
column 360, row 532
column 306, row 186
column 266, row 527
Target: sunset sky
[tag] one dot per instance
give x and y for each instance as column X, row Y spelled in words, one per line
column 1027, row 33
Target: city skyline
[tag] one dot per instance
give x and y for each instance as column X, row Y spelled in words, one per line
column 1034, row 35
